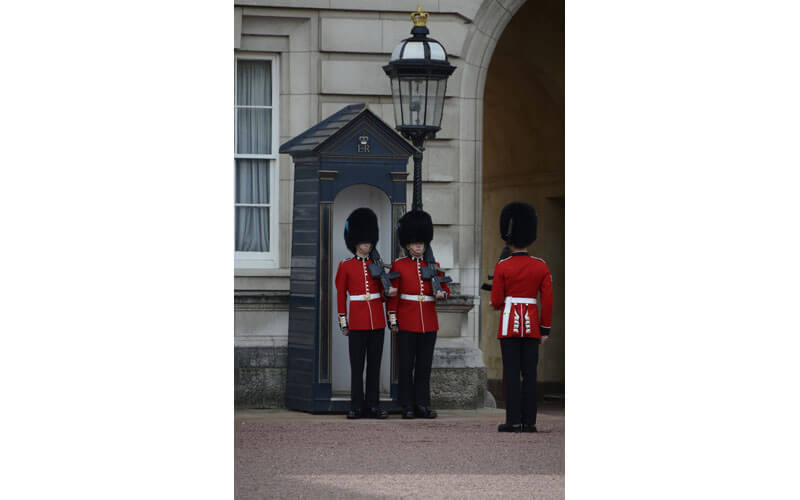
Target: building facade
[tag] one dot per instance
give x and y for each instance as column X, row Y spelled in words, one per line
column 502, row 139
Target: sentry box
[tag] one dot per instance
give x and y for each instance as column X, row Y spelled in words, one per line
column 351, row 159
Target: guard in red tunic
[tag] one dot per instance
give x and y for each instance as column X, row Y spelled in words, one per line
column 412, row 312
column 519, row 280
column 365, row 323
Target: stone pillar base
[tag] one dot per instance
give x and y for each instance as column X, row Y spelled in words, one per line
column 458, row 378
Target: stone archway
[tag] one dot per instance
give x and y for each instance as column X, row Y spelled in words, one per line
column 513, row 86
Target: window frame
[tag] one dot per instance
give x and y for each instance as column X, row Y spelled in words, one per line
column 254, row 261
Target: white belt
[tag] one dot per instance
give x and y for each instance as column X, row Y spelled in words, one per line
column 507, row 310
column 417, row 298
column 364, row 297
column 519, row 300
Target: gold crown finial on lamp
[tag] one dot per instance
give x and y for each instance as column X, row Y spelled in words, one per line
column 419, row 18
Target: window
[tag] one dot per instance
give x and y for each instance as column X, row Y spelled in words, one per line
column 256, row 162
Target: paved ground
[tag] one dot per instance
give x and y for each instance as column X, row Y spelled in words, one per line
column 284, row 454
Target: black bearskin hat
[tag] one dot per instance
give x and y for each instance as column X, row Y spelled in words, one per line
column 518, row 224
column 414, row 226
column 361, row 226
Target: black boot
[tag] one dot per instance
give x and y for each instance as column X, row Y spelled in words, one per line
column 529, row 428
column 354, row 414
column 408, row 412
column 378, row 413
column 509, row 428
column 424, row 412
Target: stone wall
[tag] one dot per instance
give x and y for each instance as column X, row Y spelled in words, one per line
column 260, row 377
column 457, row 380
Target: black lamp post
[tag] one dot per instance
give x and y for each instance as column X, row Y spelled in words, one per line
column 418, row 71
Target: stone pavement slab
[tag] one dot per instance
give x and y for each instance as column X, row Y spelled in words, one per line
column 286, row 454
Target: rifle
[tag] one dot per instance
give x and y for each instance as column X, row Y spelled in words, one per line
column 431, row 272
column 378, row 271
column 504, row 254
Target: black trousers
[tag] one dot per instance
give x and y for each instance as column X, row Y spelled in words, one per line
column 415, row 356
column 369, row 344
column 520, row 355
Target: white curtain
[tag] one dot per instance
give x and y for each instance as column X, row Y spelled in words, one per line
column 254, row 125
column 253, row 136
column 254, row 86
column 252, row 223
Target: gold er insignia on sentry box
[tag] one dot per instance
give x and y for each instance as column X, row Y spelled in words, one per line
column 363, row 144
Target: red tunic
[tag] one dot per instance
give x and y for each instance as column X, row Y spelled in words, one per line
column 353, row 278
column 414, row 315
column 517, row 282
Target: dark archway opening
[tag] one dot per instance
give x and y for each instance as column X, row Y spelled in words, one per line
column 523, row 159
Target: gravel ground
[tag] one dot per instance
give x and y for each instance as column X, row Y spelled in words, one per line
column 285, row 454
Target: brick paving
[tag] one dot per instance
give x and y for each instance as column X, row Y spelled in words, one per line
column 286, row 454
